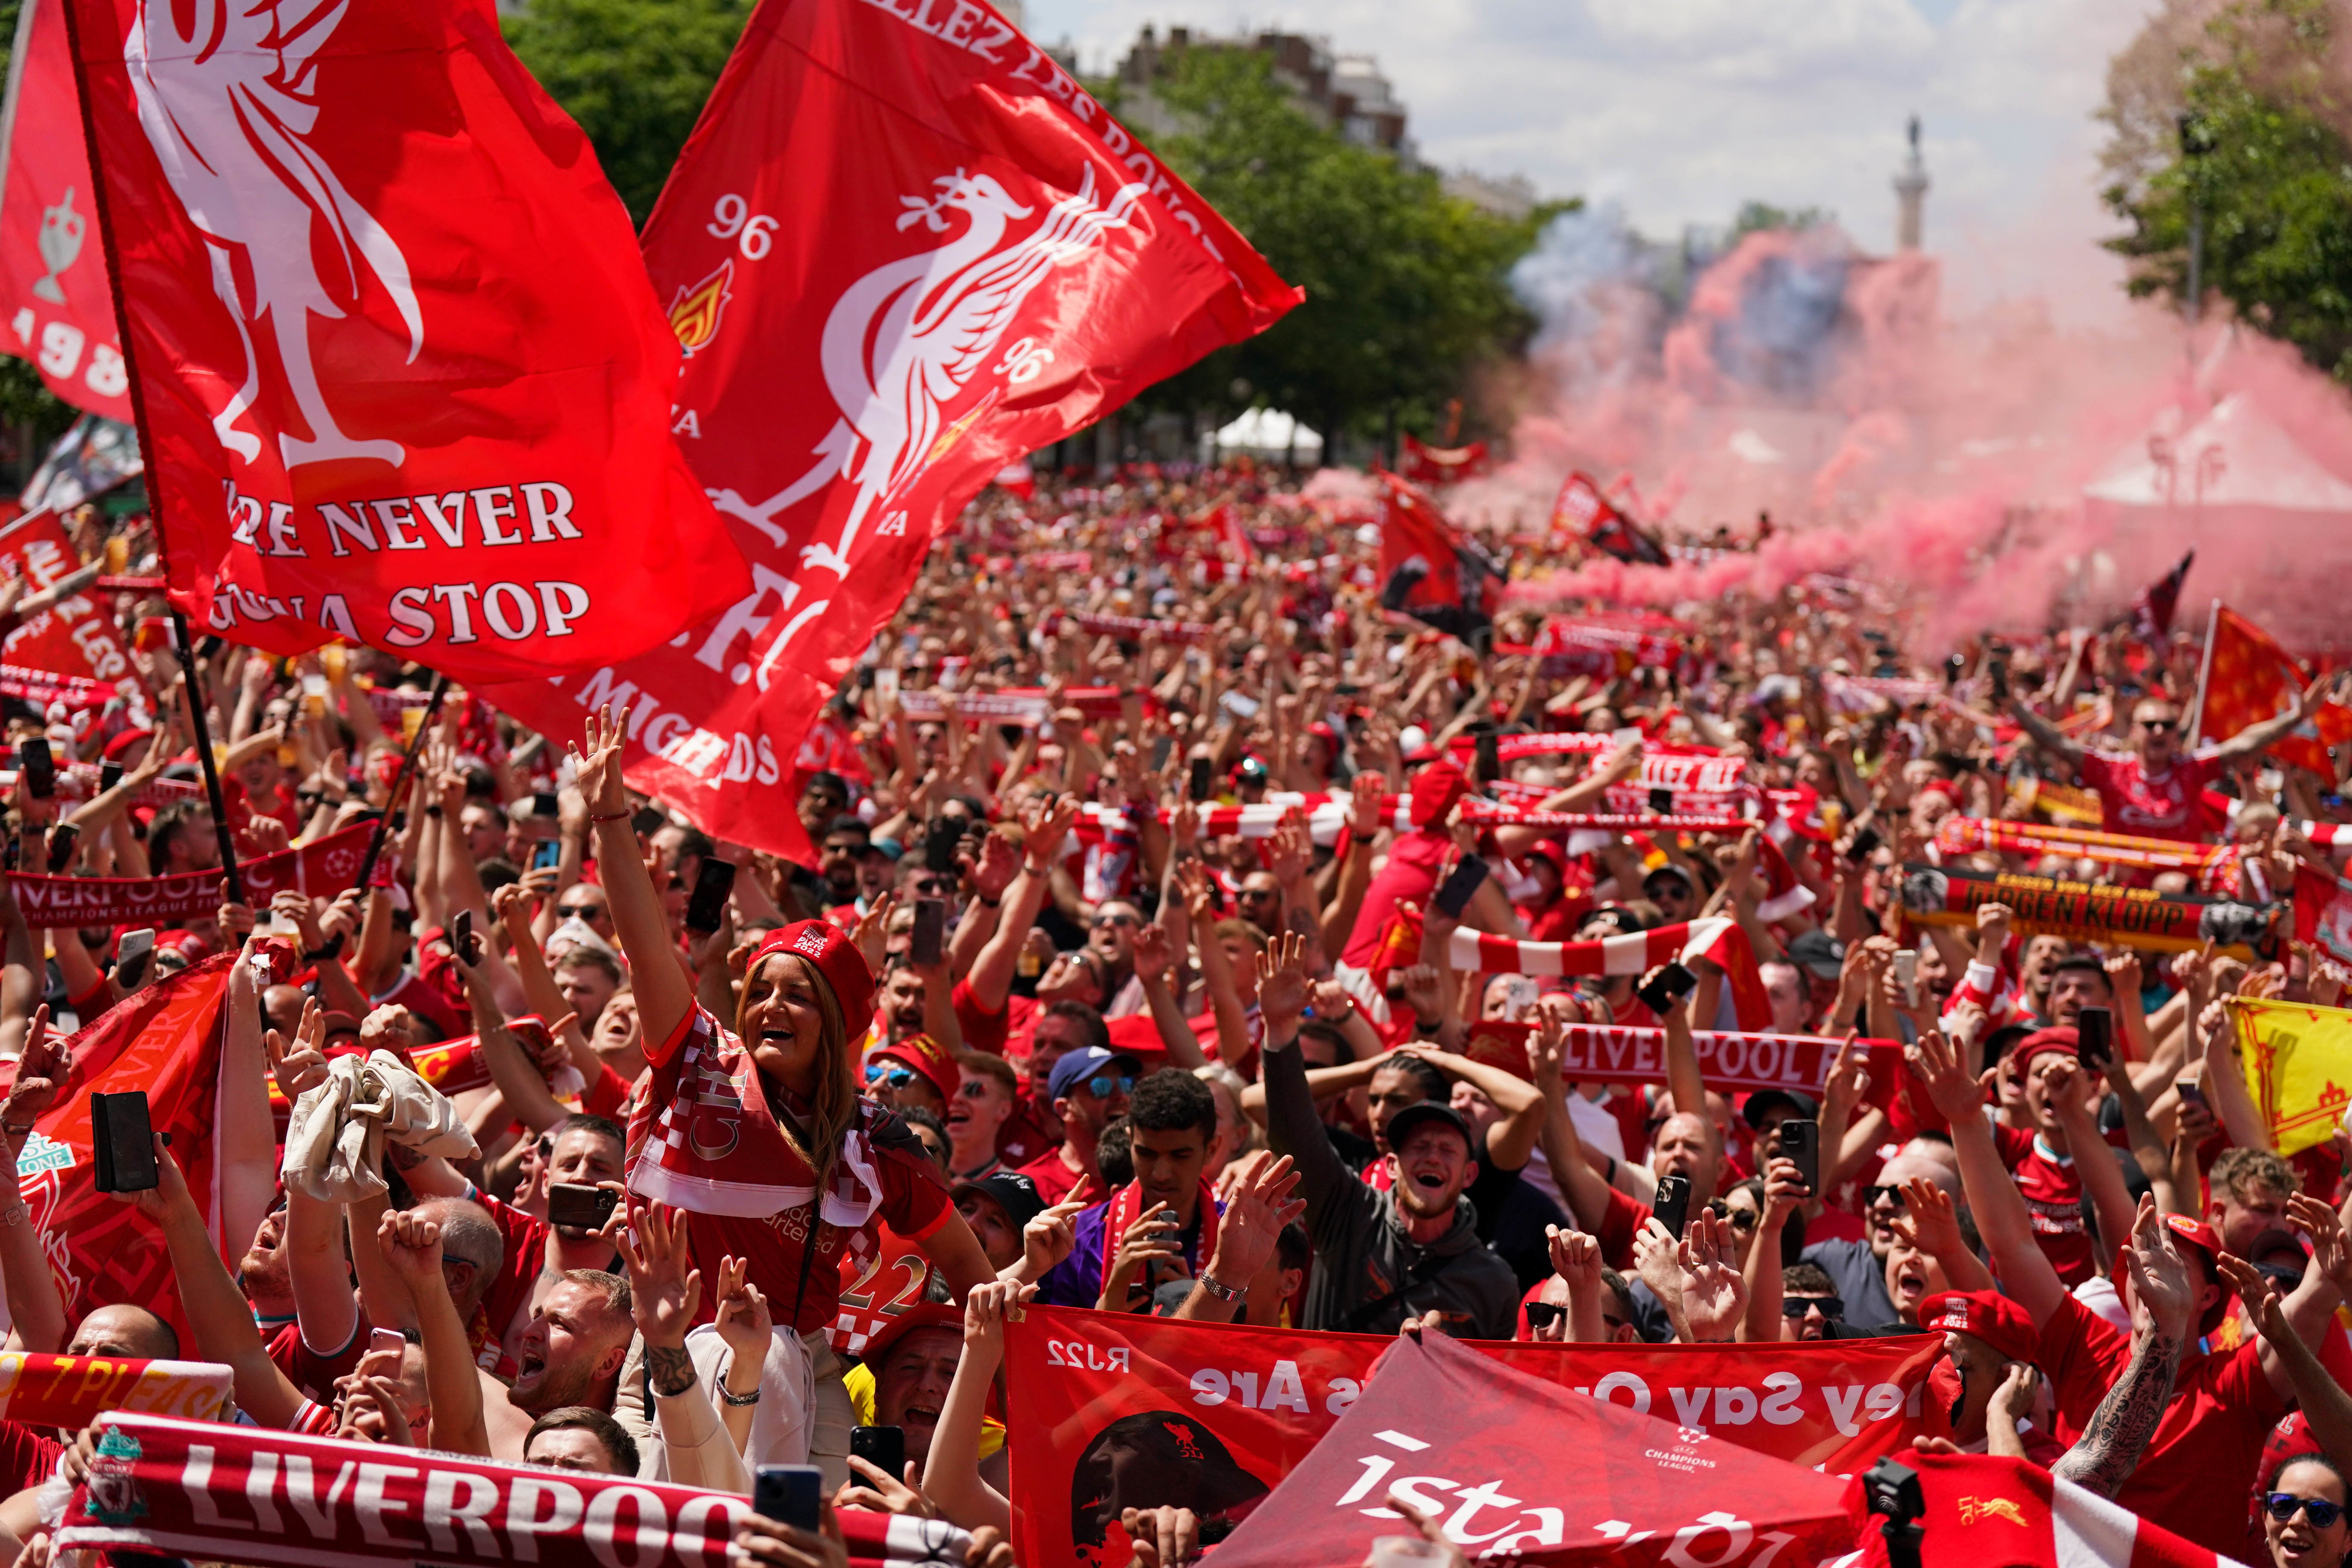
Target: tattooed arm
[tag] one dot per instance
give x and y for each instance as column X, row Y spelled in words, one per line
column 2162, row 1301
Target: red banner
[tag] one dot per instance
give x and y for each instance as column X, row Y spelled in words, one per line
column 165, row 1040
column 243, row 1494
column 918, row 212
column 53, row 287
column 72, row 1391
column 1516, row 1469
column 1733, row 1063
column 74, row 638
column 1090, row 1391
column 1581, row 512
column 322, row 869
column 1439, row 464
column 404, row 378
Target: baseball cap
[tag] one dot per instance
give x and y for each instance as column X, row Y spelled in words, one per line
column 1801, row 1105
column 1679, row 873
column 1988, row 1315
column 1014, row 1193
column 1818, row 953
column 1402, row 1124
column 929, row 1060
column 2061, row 1041
column 1082, row 1064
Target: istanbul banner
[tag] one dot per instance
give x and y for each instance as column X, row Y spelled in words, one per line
column 1116, row 1410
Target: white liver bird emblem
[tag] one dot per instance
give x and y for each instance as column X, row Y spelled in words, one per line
column 229, row 104
column 905, row 339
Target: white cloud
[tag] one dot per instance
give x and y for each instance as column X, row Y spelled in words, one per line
column 1682, row 109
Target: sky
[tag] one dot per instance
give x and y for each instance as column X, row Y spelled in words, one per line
column 1681, row 110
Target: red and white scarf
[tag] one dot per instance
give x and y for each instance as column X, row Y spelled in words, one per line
column 1636, row 954
column 713, row 1145
column 1127, row 1206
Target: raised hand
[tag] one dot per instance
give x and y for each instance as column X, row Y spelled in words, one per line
column 665, row 1288
column 1955, row 1092
column 1931, row 1221
column 1575, row 1258
column 2163, row 1294
column 411, row 1245
column 999, row 863
column 41, row 1071
column 2330, row 1250
column 1260, row 1205
column 1423, row 990
column 2260, row 1298
column 872, row 935
column 1713, row 1293
column 1366, row 796
column 598, row 761
column 743, row 1319
column 1049, row 1238
column 987, row 1308
column 302, row 1066
column 1282, row 985
column 2014, row 1398
column 1150, row 952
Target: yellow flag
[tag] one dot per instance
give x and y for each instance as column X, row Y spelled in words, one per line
column 2298, row 1062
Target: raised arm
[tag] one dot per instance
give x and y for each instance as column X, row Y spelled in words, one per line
column 2322, row 1399
column 1999, row 1208
column 2255, row 737
column 1293, row 1127
column 31, row 1289
column 2046, row 735
column 665, row 995
column 2163, row 1308
column 410, row 1246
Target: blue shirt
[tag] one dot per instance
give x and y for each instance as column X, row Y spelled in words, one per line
column 1077, row 1279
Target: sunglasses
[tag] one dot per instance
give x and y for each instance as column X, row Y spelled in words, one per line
column 897, row 1077
column 1102, row 1085
column 1102, row 920
column 931, row 886
column 1894, row 1195
column 1542, row 1315
column 1798, row 1306
column 578, row 911
column 2165, row 727
column 2319, row 1511
column 1254, row 893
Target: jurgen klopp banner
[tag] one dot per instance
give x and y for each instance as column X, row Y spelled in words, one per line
column 1110, row 1410
column 53, row 290
column 402, row 378
column 901, row 248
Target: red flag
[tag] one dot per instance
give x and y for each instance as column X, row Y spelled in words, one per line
column 52, row 269
column 2249, row 678
column 1439, row 464
column 75, row 636
column 935, row 252
column 166, row 1041
column 2152, row 606
column 1584, row 513
column 1429, row 569
column 1118, row 1410
column 1983, row 1511
column 401, row 374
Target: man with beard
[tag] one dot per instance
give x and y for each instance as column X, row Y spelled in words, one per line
column 1088, row 1089
column 1380, row 1257
column 570, row 1352
column 846, row 840
column 906, row 1368
column 1991, row 1346
column 586, row 1152
column 2247, row 1192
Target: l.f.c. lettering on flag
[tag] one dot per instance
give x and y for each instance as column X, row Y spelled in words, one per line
column 399, row 374
column 922, row 223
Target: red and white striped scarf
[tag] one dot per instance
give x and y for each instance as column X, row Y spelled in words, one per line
column 1720, row 940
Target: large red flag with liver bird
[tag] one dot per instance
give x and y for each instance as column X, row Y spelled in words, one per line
column 2249, row 678
column 391, row 340
column 902, row 248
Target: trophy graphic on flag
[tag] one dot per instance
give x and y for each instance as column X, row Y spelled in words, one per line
column 61, row 244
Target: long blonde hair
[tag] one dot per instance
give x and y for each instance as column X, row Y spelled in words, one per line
column 833, row 1109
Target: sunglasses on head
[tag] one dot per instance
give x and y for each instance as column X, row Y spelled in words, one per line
column 2319, row 1510
column 1798, row 1306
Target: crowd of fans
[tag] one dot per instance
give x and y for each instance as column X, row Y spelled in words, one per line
column 1119, row 976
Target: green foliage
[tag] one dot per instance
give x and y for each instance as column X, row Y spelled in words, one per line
column 2271, row 178
column 634, row 73
column 1763, row 215
column 1406, row 287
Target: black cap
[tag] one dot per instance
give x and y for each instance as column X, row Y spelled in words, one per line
column 1402, row 1124
column 1014, row 1193
column 1764, row 1100
column 1817, row 952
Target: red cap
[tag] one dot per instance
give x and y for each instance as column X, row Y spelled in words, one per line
column 1434, row 790
column 1990, row 1316
column 836, row 958
column 2196, row 1233
column 2065, row 1042
column 929, row 1058
column 1550, row 849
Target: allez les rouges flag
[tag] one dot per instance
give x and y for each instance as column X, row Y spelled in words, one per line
column 403, row 376
column 901, row 248
column 59, row 308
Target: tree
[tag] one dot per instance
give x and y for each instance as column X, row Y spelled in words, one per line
column 634, row 73
column 2259, row 159
column 1407, row 290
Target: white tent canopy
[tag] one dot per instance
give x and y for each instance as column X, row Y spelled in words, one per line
column 1269, row 432
column 2235, row 457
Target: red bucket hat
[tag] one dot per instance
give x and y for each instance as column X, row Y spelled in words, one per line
column 1990, row 1316
column 835, row 957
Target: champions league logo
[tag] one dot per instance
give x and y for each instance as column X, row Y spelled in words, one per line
column 62, row 229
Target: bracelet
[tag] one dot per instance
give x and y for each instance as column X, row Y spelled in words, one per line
column 987, row 902
column 330, row 951
column 730, row 1395
column 14, row 1216
column 1214, row 1287
column 608, row 817
column 434, row 811
column 25, row 1131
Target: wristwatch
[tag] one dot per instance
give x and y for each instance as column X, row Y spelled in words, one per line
column 1214, row 1287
